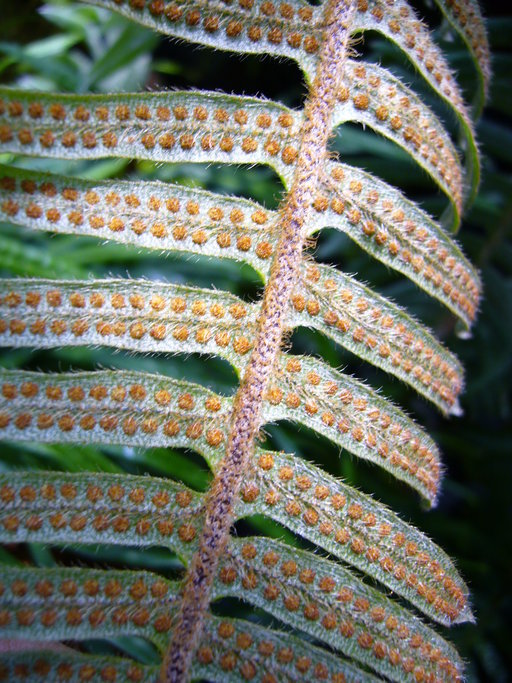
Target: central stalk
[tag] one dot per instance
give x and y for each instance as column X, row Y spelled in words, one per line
column 246, row 415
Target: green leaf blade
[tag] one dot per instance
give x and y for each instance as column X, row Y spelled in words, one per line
column 371, row 96
column 115, row 509
column 328, row 603
column 356, row 529
column 246, row 27
column 235, row 648
column 61, row 662
column 375, row 329
column 466, row 18
column 85, row 603
column 140, row 316
column 344, row 410
column 399, row 23
column 122, row 407
column 149, row 215
column 397, row 232
column 198, row 127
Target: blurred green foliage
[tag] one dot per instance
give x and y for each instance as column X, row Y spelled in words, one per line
column 69, row 47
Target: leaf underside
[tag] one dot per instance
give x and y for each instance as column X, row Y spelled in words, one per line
column 319, row 620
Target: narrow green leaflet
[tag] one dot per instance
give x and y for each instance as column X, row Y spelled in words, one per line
column 145, row 316
column 113, row 407
column 378, row 331
column 397, row 232
column 171, row 217
column 307, row 391
column 56, row 507
column 233, row 650
column 357, row 529
column 399, row 23
column 138, row 315
column 386, row 209
column 33, row 666
column 466, row 18
column 77, row 604
column 169, row 127
column 291, row 29
column 326, row 601
column 133, row 408
column 371, row 96
column 152, row 215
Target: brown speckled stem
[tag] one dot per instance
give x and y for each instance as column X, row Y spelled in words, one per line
column 246, row 420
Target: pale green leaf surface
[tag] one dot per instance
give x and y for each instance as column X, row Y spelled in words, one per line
column 21, row 258
column 152, row 215
column 466, row 18
column 32, row 666
column 377, row 330
column 354, row 416
column 245, row 27
column 357, row 529
column 138, row 315
column 122, row 407
column 252, row 649
column 371, row 96
column 85, row 508
column 397, row 232
column 329, row 603
column 199, row 127
column 77, row 604
column 400, row 24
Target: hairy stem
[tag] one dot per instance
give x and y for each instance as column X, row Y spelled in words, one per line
column 245, row 420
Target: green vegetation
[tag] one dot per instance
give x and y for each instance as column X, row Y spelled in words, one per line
column 65, row 47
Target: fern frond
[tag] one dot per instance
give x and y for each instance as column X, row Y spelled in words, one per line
column 327, row 607
column 357, row 529
column 144, row 316
column 235, row 649
column 62, row 603
column 194, row 127
column 103, row 509
column 397, row 232
column 347, row 412
column 371, row 96
column 152, row 215
column 72, row 666
column 375, row 329
column 291, row 30
column 147, row 410
column 172, row 217
column 398, row 22
column 129, row 510
column 262, row 28
column 139, row 409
